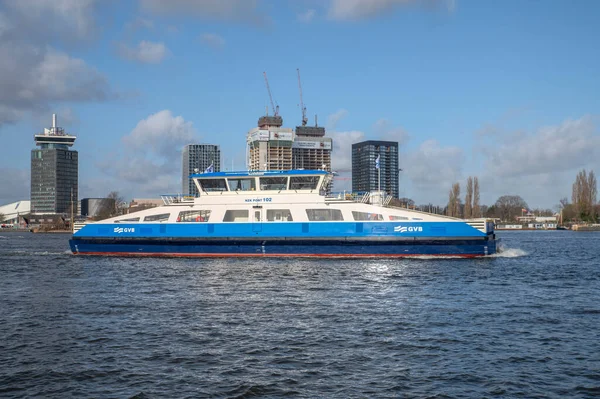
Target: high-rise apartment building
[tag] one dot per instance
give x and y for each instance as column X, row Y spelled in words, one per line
column 54, row 172
column 365, row 176
column 197, row 158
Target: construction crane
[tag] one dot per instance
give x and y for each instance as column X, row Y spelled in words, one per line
column 275, row 109
column 304, row 118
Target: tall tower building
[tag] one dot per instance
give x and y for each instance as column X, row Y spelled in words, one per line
column 365, row 176
column 54, row 172
column 197, row 158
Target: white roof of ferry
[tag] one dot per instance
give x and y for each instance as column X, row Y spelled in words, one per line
column 252, row 173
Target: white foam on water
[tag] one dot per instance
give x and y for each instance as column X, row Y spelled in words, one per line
column 509, row 253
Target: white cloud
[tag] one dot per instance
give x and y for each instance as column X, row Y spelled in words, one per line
column 333, row 119
column 432, row 169
column 349, row 10
column 146, row 52
column 386, row 131
column 307, row 16
column 150, row 161
column 34, row 75
column 139, row 23
column 32, row 78
column 539, row 166
column 212, row 40
column 208, row 9
column 570, row 145
column 15, row 185
column 67, row 19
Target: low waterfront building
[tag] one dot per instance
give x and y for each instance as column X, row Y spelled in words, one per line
column 12, row 214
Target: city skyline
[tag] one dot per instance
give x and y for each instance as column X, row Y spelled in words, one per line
column 504, row 91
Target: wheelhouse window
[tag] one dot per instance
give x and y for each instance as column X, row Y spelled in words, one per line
column 304, row 182
column 163, row 217
column 273, row 183
column 279, row 215
column 393, row 217
column 193, row 216
column 240, row 215
column 242, row 184
column 322, row 215
column 213, row 184
column 130, row 220
column 366, row 216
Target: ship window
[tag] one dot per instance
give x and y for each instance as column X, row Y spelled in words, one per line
column 273, row 183
column 213, row 184
column 242, row 184
column 279, row 215
column 304, row 182
column 393, row 217
column 193, row 216
column 163, row 217
column 240, row 215
column 366, row 216
column 320, row 215
column 130, row 220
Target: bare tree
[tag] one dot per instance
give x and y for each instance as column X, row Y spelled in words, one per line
column 476, row 207
column 454, row 204
column 584, row 195
column 456, row 193
column 469, row 199
column 509, row 206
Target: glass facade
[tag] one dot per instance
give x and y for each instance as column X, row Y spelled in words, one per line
column 196, row 159
column 54, row 180
column 365, row 174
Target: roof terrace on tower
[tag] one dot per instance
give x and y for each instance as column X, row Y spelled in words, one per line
column 54, row 137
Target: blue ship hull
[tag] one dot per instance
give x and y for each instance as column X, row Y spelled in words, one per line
column 283, row 239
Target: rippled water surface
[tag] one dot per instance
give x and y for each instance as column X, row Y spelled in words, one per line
column 524, row 324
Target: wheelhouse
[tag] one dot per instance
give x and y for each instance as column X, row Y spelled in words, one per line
column 282, row 182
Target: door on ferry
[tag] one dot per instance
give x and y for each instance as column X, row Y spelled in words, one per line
column 257, row 218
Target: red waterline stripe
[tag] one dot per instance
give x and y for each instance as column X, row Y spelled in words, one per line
column 261, row 255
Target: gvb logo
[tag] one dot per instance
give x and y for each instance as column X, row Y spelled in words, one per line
column 120, row 230
column 410, row 229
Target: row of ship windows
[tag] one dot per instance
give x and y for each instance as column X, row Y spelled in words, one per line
column 266, row 183
column 272, row 215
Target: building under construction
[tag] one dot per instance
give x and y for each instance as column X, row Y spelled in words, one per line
column 273, row 147
column 270, row 145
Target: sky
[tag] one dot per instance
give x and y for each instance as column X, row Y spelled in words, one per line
column 508, row 91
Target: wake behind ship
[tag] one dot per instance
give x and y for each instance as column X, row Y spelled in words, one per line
column 281, row 213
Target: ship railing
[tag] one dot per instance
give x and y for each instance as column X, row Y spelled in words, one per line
column 78, row 226
column 169, row 199
column 364, row 197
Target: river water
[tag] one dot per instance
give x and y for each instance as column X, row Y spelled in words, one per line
column 523, row 324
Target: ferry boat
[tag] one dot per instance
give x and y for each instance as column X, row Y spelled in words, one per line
column 281, row 213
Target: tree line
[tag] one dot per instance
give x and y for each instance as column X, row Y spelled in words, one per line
column 583, row 207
